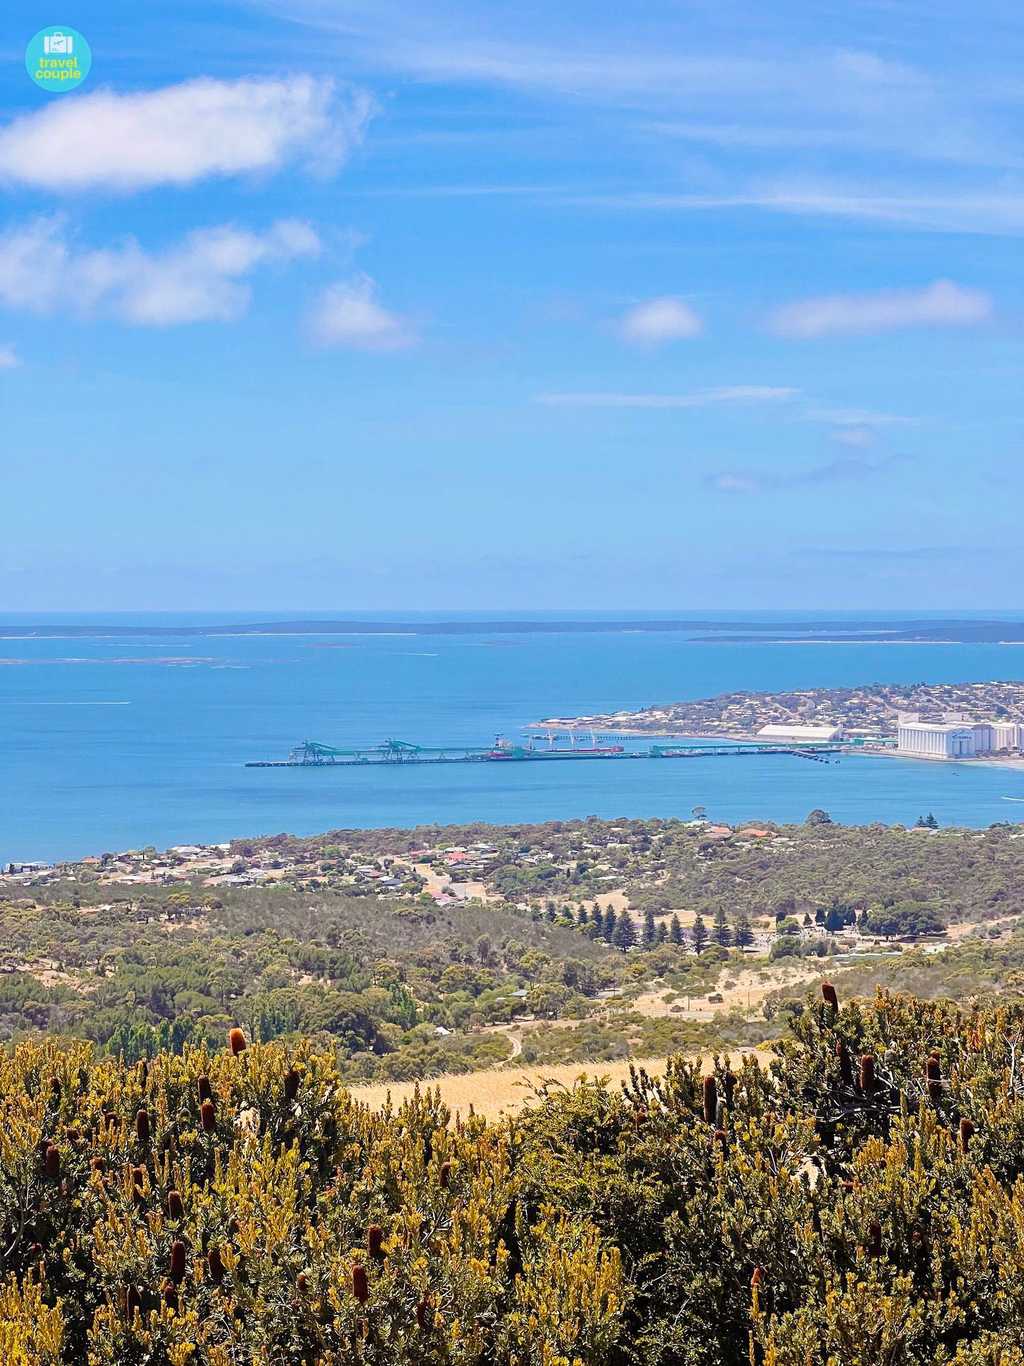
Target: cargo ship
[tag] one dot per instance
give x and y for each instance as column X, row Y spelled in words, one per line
column 576, row 748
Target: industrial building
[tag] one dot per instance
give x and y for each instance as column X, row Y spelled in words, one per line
column 957, row 739
column 805, row 734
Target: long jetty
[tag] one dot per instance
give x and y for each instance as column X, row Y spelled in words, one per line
column 397, row 753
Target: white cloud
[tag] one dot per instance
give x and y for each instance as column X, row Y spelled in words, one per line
column 942, row 304
column 348, row 314
column 8, row 358
column 661, row 320
column 735, row 393
column 201, row 278
column 183, row 133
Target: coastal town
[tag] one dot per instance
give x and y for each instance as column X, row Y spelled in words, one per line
column 920, row 720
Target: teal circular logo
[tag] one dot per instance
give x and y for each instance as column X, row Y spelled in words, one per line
column 58, row 59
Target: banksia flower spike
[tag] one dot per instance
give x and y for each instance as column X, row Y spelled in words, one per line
column 360, row 1284
column 52, row 1162
column 142, row 1126
column 208, row 1116
column 756, row 1281
column 204, row 1088
column 828, row 995
column 375, row 1241
column 175, row 1205
column 867, row 1074
column 966, row 1133
column 710, row 1100
column 177, row 1261
column 301, row 1283
column 216, row 1264
column 236, row 1041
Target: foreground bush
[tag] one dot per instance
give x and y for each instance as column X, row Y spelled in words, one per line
column 860, row 1201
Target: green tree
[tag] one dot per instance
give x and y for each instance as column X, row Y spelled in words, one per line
column 608, row 924
column 675, row 932
column 624, row 936
column 721, row 934
column 650, row 930
column 699, row 935
column 743, row 931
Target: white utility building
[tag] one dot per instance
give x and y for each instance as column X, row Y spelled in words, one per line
column 807, row 734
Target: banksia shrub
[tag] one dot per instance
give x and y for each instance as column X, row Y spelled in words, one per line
column 966, row 1133
column 868, row 1082
column 360, row 1284
column 236, row 1041
column 177, row 1261
column 710, row 1100
column 52, row 1162
column 375, row 1241
column 208, row 1116
column 142, row 1126
column 828, row 995
column 175, row 1205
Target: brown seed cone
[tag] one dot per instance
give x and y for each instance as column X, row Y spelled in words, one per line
column 868, row 1083
column 966, row 1133
column 291, row 1084
column 216, row 1265
column 142, row 1126
column 828, row 995
column 360, row 1284
column 177, row 1261
column 422, row 1313
column 175, row 1205
column 710, row 1099
column 53, row 1162
column 375, row 1241
column 236, row 1041
column 445, row 1175
column 204, row 1088
column 208, row 1116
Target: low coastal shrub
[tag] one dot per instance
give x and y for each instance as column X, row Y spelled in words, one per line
column 859, row 1200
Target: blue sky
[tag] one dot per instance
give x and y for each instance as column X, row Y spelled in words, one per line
column 310, row 304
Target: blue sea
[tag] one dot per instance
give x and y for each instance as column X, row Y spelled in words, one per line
column 110, row 742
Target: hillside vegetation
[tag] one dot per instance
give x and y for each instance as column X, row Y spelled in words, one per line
column 859, row 1200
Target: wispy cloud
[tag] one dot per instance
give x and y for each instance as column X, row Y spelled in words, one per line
column 183, row 133
column 349, row 314
column 661, row 320
column 706, row 398
column 844, row 469
column 942, row 304
column 201, row 278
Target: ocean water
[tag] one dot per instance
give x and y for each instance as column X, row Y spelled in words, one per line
column 112, row 742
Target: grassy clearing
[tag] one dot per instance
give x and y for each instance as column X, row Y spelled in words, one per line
column 503, row 1091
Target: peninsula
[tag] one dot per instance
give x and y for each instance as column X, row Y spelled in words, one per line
column 882, row 714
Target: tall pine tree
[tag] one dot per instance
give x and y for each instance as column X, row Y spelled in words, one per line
column 650, row 932
column 675, row 932
column 721, row 934
column 624, row 936
column 699, row 935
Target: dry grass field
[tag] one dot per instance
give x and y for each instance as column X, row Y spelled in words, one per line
column 505, row 1090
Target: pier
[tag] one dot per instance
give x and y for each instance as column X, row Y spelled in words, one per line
column 398, row 753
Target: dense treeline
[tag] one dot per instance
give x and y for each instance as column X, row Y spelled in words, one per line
column 859, row 1201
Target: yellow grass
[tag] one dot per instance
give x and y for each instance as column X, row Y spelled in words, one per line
column 506, row 1090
